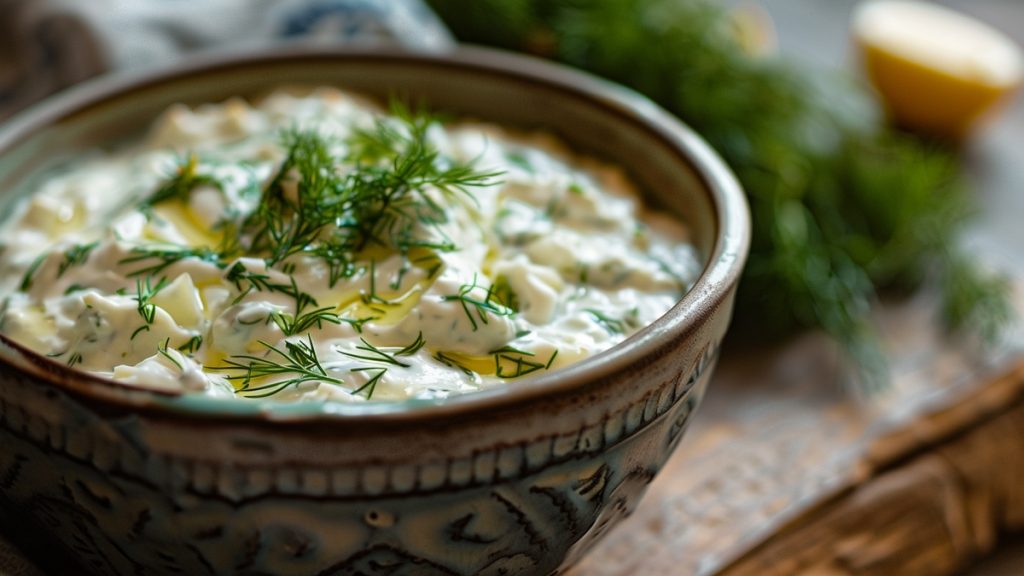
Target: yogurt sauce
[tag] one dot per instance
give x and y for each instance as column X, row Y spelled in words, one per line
column 313, row 246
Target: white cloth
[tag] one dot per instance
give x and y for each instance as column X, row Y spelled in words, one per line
column 46, row 45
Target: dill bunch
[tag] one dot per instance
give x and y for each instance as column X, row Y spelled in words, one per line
column 382, row 197
column 843, row 208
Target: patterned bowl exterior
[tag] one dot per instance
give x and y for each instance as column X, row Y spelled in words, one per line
column 522, row 479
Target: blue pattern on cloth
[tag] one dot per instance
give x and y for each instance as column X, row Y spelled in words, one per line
column 47, row 45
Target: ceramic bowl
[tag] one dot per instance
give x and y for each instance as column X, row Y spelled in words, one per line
column 518, row 479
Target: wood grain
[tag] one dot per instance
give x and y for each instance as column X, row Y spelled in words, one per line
column 785, row 473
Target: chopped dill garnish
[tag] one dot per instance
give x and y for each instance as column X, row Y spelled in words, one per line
column 75, row 256
column 372, row 297
column 357, row 323
column 192, row 345
column 144, row 292
column 611, row 325
column 379, row 355
column 75, row 359
column 180, row 185
column 430, row 262
column 371, row 384
column 164, row 255
column 340, row 263
column 504, row 294
column 470, row 304
column 239, row 274
column 384, row 196
column 298, row 360
column 453, row 363
column 681, row 282
column 510, row 362
column 396, row 283
column 162, row 349
column 291, row 325
column 518, row 159
column 413, row 348
column 584, row 275
column 386, row 355
column 75, row 288
column 26, row 280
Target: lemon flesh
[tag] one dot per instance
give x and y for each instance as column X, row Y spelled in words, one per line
column 937, row 70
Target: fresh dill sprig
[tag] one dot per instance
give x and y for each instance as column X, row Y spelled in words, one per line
column 482, row 307
column 371, row 296
column 75, row 256
column 298, row 361
column 414, row 347
column 504, row 294
column 163, row 350
column 75, row 288
column 286, row 222
column 238, row 275
column 383, row 196
column 511, row 362
column 431, row 262
column 181, row 183
column 26, row 280
column 371, row 384
column 397, row 168
column 518, row 159
column 611, row 325
column 340, row 262
column 450, row 362
column 144, row 293
column 386, row 355
column 291, row 325
column 357, row 323
column 161, row 256
column 627, row 323
column 192, row 345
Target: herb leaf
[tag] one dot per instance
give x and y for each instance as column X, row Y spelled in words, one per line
column 470, row 304
column 298, row 361
column 75, row 256
column 180, row 185
column 162, row 256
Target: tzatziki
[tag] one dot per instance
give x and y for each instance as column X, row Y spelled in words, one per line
column 316, row 246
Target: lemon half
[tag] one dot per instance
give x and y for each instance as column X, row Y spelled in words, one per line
column 937, row 70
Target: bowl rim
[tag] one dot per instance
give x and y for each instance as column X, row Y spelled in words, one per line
column 720, row 275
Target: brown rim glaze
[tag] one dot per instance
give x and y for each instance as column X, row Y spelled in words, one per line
column 724, row 261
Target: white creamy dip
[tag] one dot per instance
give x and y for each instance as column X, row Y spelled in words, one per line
column 314, row 246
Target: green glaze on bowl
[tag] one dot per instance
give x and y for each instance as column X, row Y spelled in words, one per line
column 518, row 479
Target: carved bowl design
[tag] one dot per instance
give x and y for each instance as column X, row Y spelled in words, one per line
column 520, row 479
